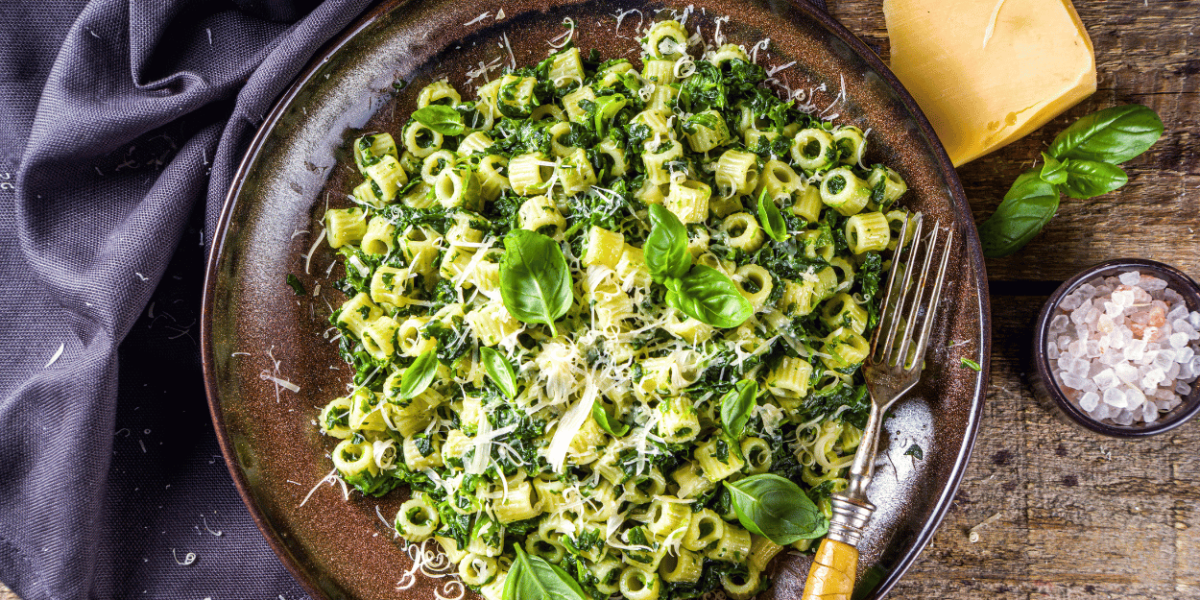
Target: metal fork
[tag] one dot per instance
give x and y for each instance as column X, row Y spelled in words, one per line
column 892, row 369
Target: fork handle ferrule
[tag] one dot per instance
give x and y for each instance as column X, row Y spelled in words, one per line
column 850, row 517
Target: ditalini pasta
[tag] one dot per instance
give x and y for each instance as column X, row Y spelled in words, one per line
column 601, row 444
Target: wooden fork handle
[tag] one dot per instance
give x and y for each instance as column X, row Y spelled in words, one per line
column 832, row 574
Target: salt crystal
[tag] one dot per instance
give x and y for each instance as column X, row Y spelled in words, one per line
column 1101, row 412
column 1184, row 354
column 1130, row 278
column 1151, row 283
column 1174, row 401
column 1163, row 360
column 1079, row 315
column 1177, row 312
column 1124, row 417
column 1082, row 331
column 1071, row 380
column 1113, row 310
column 1078, row 348
column 1059, row 323
column 1052, row 352
column 1172, row 296
column 1183, row 389
column 1173, row 371
column 1063, row 342
column 1114, row 397
column 1093, row 349
column 1164, row 393
column 1126, row 372
column 1134, row 396
column 1150, row 412
column 1194, row 319
column 1178, row 340
column 1089, row 401
column 1122, row 299
column 1070, row 302
column 1080, row 368
column 1086, row 291
column 1135, row 350
column 1064, row 362
column 1110, row 357
column 1153, row 377
column 1093, row 315
column 1105, row 379
column 1089, row 386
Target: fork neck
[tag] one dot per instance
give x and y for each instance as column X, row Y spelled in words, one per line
column 864, row 459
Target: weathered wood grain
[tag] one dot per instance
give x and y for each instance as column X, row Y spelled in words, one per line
column 1146, row 52
column 1081, row 516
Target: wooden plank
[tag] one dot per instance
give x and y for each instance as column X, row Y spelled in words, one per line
column 1081, row 516
column 1145, row 53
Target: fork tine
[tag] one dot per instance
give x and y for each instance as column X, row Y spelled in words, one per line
column 934, row 298
column 897, row 294
column 918, row 294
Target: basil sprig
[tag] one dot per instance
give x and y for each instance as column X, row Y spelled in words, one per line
column 418, row 375
column 606, row 421
column 736, row 406
column 442, row 119
column 700, row 292
column 1082, row 163
column 500, row 370
column 533, row 577
column 772, row 221
column 535, row 283
column 776, row 508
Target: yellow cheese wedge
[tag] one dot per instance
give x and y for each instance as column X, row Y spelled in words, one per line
column 987, row 72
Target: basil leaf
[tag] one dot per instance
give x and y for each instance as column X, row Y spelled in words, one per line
column 533, row 578
column 442, row 119
column 970, row 364
column 535, row 282
column 1014, row 223
column 666, row 249
column 1089, row 178
column 707, row 295
column 297, row 287
column 915, row 451
column 1113, row 135
column 500, row 370
column 600, row 415
column 418, row 375
column 776, row 509
column 772, row 221
column 736, row 406
column 1053, row 171
column 1028, row 185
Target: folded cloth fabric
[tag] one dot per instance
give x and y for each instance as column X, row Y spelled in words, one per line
column 122, row 125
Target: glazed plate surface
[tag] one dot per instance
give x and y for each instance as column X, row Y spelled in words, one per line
column 367, row 80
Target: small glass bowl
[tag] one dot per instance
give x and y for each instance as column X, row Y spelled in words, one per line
column 1044, row 383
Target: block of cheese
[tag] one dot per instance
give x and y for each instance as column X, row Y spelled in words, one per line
column 987, row 72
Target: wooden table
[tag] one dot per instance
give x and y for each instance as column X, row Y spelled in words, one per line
column 1080, row 516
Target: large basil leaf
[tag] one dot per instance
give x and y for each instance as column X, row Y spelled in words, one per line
column 605, row 421
column 1113, row 135
column 418, row 375
column 1028, row 185
column 535, row 282
column 736, row 406
column 666, row 249
column 533, row 578
column 772, row 221
column 500, row 370
column 1014, row 223
column 442, row 119
column 707, row 295
column 1086, row 178
column 776, row 509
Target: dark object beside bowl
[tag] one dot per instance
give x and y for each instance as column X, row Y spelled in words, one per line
column 1047, row 389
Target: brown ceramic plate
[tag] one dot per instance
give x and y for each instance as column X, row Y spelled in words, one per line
column 300, row 160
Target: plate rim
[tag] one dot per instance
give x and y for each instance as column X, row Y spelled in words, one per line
column 319, row 58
